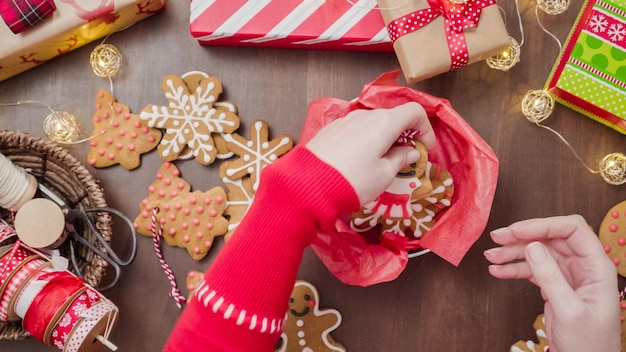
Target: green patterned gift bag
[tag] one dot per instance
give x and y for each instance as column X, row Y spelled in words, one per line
column 590, row 74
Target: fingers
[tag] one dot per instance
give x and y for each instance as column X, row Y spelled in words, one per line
column 414, row 117
column 399, row 157
column 549, row 277
column 542, row 229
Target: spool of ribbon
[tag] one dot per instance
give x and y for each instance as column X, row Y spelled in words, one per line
column 21, row 15
column 14, row 284
column 16, row 185
column 40, row 223
column 457, row 17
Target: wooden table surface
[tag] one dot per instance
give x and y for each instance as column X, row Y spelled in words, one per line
column 433, row 305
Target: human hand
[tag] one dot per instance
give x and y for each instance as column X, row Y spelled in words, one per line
column 359, row 146
column 578, row 281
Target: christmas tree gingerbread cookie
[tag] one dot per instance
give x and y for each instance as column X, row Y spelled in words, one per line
column 119, row 137
column 307, row 327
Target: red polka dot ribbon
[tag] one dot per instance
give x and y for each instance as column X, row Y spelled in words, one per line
column 21, row 15
column 457, row 18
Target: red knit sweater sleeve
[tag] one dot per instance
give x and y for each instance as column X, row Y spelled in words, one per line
column 241, row 302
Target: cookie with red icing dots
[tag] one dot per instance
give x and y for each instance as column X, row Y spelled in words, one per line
column 306, row 326
column 612, row 234
column 531, row 346
column 193, row 279
column 193, row 220
column 167, row 185
column 119, row 137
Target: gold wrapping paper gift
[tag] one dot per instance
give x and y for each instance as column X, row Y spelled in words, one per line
column 424, row 53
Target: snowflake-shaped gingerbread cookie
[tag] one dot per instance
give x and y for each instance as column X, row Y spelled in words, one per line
column 119, row 137
column 534, row 346
column 191, row 118
column 239, row 198
column 255, row 153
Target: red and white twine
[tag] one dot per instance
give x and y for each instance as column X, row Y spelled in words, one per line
column 157, row 232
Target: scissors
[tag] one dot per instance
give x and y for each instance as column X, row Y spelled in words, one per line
column 108, row 255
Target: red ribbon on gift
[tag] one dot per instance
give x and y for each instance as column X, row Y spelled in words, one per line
column 457, row 18
column 21, row 15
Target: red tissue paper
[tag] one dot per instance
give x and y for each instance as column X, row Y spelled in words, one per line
column 354, row 259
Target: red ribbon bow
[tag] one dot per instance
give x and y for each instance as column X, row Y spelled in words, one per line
column 457, row 18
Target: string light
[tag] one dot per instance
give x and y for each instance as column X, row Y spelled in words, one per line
column 538, row 105
column 61, row 127
column 613, row 169
column 106, row 60
column 553, row 7
column 507, row 58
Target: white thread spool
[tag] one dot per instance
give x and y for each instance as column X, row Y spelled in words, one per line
column 16, row 185
column 40, row 223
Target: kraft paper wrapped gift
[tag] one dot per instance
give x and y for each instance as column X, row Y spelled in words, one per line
column 590, row 74
column 297, row 24
column 424, row 51
column 73, row 24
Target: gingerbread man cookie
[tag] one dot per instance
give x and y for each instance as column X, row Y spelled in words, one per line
column 612, row 234
column 532, row 346
column 307, row 328
column 191, row 118
column 167, row 185
column 254, row 154
column 193, row 220
column 119, row 137
column 408, row 207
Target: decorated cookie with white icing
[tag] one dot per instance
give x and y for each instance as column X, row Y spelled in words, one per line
column 541, row 345
column 191, row 117
column 307, row 328
column 408, row 207
column 254, row 153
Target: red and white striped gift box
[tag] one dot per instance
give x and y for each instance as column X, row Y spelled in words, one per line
column 354, row 25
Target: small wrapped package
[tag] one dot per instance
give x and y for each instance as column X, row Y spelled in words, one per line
column 354, row 259
column 73, row 24
column 590, row 74
column 431, row 37
column 296, row 24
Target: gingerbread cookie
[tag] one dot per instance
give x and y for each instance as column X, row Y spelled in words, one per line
column 254, row 154
column 532, row 346
column 167, row 185
column 191, row 118
column 119, row 137
column 408, row 207
column 239, row 198
column 306, row 326
column 612, row 234
column 193, row 279
column 193, row 220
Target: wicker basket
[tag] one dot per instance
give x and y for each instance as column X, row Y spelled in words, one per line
column 54, row 167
